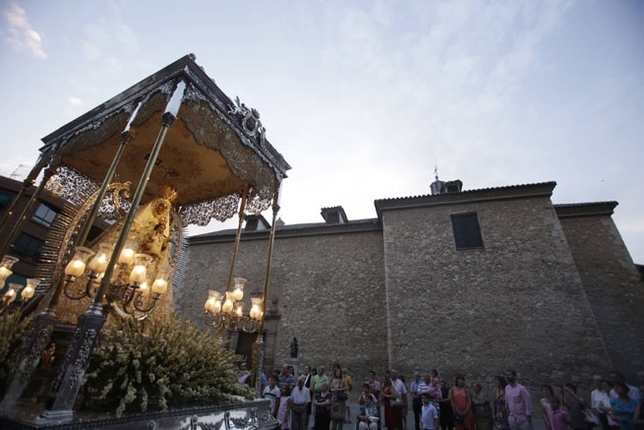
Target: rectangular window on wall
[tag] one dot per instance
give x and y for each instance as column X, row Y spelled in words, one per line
column 5, row 199
column 28, row 247
column 44, row 215
column 467, row 233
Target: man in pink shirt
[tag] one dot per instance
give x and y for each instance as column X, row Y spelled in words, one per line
column 519, row 403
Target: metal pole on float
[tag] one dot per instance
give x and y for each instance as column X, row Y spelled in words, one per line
column 126, row 137
column 222, row 332
column 258, row 346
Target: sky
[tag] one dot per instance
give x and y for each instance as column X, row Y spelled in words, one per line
column 364, row 99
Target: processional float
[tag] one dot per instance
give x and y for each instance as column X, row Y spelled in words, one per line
column 171, row 151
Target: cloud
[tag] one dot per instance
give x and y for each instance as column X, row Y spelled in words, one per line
column 74, row 101
column 109, row 39
column 20, row 35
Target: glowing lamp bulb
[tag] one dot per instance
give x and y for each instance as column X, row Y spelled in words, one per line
column 139, row 271
column 27, row 292
column 144, row 289
column 159, row 286
column 76, row 267
column 101, row 259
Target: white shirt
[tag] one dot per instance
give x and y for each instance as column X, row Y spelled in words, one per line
column 598, row 396
column 271, row 394
column 633, row 393
column 300, row 396
column 399, row 386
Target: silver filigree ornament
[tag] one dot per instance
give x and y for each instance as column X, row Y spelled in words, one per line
column 249, row 119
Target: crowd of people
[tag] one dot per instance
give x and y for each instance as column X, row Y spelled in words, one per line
column 319, row 400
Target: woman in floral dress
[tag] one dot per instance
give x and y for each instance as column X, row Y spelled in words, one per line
column 481, row 407
column 338, row 385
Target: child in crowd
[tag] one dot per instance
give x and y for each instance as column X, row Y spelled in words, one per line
column 557, row 417
column 284, row 409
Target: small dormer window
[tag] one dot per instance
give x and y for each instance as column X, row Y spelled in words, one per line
column 256, row 223
column 334, row 215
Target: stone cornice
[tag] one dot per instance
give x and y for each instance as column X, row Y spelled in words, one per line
column 574, row 210
column 290, row 231
column 543, row 189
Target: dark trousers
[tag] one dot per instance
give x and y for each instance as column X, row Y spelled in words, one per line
column 298, row 420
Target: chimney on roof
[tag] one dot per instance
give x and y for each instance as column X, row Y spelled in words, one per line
column 452, row 187
column 256, row 223
column 442, row 187
column 334, row 215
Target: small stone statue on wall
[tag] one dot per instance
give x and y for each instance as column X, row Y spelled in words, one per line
column 294, row 348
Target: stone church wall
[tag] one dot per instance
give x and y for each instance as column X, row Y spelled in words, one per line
column 328, row 290
column 517, row 303
column 613, row 286
column 554, row 296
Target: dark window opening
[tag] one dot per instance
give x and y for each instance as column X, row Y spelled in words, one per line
column 44, row 215
column 251, row 224
column 5, row 200
column 467, row 233
column 28, row 247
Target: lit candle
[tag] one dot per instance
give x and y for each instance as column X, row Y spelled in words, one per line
column 129, row 249
column 144, row 289
column 4, row 274
column 11, row 292
column 27, row 292
column 238, row 292
column 227, row 307
column 239, row 310
column 138, row 274
column 98, row 263
column 127, row 256
column 139, row 271
column 75, row 268
column 5, row 268
column 159, row 286
column 255, row 310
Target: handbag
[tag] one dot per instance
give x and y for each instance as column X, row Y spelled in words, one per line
column 459, row 418
column 342, row 395
column 395, row 403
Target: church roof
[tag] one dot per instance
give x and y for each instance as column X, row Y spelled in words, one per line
column 542, row 189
